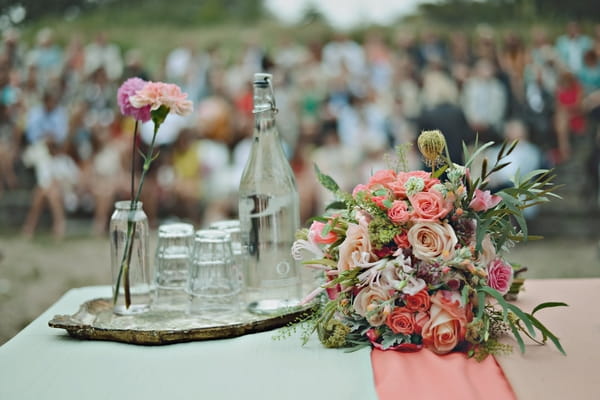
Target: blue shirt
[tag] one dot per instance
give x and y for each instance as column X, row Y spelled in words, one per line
column 43, row 124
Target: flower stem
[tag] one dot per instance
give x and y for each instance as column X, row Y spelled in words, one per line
column 131, row 226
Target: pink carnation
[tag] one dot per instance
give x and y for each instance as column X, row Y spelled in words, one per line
column 500, row 275
column 157, row 94
column 129, row 88
column 484, row 200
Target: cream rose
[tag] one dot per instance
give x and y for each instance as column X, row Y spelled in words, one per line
column 356, row 244
column 367, row 304
column 488, row 251
column 430, row 240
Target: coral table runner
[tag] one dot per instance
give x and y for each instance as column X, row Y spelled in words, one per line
column 541, row 373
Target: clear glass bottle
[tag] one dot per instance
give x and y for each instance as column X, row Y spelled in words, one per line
column 134, row 283
column 268, row 212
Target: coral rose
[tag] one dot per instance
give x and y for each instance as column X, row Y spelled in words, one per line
column 367, row 304
column 401, row 320
column 500, row 275
column 401, row 178
column 429, row 206
column 402, row 241
column 447, row 324
column 431, row 240
column 418, row 302
column 315, row 234
column 399, row 213
column 383, row 177
column 356, row 246
column 484, row 200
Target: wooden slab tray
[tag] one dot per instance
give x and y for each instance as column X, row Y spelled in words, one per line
column 95, row 320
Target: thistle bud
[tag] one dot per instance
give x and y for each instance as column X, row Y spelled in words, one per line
column 431, row 145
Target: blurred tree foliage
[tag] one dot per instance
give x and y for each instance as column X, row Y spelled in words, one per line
column 495, row 11
column 180, row 12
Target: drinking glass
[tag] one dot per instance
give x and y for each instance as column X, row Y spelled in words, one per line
column 213, row 283
column 232, row 226
column 173, row 258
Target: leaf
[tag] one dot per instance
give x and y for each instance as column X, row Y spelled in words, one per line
column 438, row 172
column 327, row 181
column 388, row 203
column 547, row 333
column 548, row 305
column 477, row 152
column 380, row 192
column 326, row 229
column 484, row 167
column 518, row 337
column 336, row 205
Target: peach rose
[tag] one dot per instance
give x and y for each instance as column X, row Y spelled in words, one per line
column 421, row 318
column 401, row 320
column 367, row 304
column 418, row 302
column 484, row 200
column 356, row 243
column 429, row 206
column 315, row 234
column 399, row 213
column 448, row 321
column 431, row 240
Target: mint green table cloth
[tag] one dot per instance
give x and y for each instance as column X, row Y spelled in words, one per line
column 45, row 363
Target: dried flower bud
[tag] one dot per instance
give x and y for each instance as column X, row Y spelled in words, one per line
column 431, row 145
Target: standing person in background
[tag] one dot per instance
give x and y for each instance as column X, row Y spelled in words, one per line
column 46, row 58
column 568, row 119
column 484, row 101
column 441, row 111
column 572, row 46
column 103, row 54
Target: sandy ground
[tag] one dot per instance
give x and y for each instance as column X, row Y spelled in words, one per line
column 36, row 273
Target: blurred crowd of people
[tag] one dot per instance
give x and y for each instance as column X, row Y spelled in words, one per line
column 343, row 104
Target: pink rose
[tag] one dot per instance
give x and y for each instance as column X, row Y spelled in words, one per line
column 431, row 240
column 447, row 324
column 382, row 177
column 157, row 94
column 367, row 304
column 315, row 234
column 357, row 243
column 401, row 320
column 399, row 213
column 484, row 200
column 129, row 88
column 430, row 206
column 500, row 275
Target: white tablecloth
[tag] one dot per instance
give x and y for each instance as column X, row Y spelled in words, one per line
column 45, row 363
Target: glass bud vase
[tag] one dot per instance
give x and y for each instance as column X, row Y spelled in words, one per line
column 129, row 254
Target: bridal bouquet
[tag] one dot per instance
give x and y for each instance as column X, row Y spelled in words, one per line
column 415, row 259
